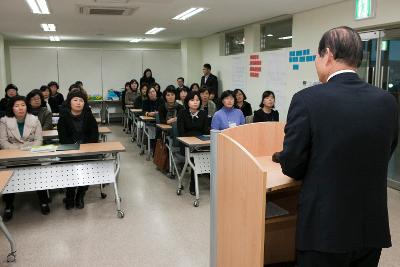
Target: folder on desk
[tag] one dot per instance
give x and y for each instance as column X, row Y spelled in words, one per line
column 68, row 147
column 204, row 137
column 274, row 210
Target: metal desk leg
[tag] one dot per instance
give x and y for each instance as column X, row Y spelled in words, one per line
column 196, row 183
column 12, row 255
column 142, row 141
column 180, row 176
column 148, row 145
column 120, row 213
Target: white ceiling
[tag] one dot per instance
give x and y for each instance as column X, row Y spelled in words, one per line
column 17, row 21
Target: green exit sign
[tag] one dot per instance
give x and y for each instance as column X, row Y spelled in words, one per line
column 364, row 9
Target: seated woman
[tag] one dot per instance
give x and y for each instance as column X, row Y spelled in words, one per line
column 142, row 97
column 194, row 87
column 182, row 93
column 158, row 89
column 168, row 112
column 206, row 104
column 19, row 129
column 77, row 125
column 38, row 108
column 152, row 103
column 228, row 116
column 241, row 103
column 11, row 91
column 266, row 111
column 57, row 98
column 46, row 96
column 192, row 122
column 131, row 94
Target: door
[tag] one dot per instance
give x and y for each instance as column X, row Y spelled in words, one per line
column 390, row 81
column 381, row 67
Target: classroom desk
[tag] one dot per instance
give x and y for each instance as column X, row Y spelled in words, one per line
column 104, row 108
column 4, row 179
column 133, row 115
column 149, row 131
column 60, row 169
column 126, row 116
column 53, row 134
column 199, row 165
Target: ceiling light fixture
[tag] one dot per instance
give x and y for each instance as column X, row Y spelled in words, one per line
column 285, row 38
column 189, row 13
column 48, row 27
column 155, row 30
column 136, row 40
column 38, row 6
column 270, row 35
column 54, row 38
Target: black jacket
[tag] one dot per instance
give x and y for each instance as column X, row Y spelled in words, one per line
column 261, row 116
column 339, row 139
column 55, row 102
column 246, row 109
column 149, row 81
column 3, row 105
column 162, row 112
column 188, row 126
column 211, row 83
column 151, row 106
column 67, row 133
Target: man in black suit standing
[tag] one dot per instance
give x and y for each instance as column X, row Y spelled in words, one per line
column 339, row 138
column 209, row 80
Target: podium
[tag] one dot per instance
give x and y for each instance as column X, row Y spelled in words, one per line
column 243, row 180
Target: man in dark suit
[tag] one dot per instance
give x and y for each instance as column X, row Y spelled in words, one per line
column 339, row 138
column 181, row 84
column 209, row 80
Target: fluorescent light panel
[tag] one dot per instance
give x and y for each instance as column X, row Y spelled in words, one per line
column 38, row 6
column 285, row 38
column 48, row 27
column 189, row 13
column 54, row 38
column 155, row 30
column 136, row 40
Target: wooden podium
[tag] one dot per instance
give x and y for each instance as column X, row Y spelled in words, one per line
column 244, row 178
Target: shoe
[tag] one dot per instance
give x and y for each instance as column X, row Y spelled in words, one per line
column 45, row 209
column 8, row 214
column 193, row 193
column 79, row 204
column 69, row 204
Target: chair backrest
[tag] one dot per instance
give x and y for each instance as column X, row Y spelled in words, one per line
column 249, row 119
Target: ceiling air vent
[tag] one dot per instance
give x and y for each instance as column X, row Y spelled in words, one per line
column 112, row 11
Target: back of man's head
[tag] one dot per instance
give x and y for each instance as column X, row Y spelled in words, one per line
column 345, row 45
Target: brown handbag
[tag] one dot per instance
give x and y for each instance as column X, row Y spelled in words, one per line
column 161, row 159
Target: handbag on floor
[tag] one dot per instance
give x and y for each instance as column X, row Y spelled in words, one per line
column 161, row 159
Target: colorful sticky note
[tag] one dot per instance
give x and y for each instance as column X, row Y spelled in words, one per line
column 295, row 67
column 299, row 53
column 292, row 53
column 309, row 58
column 306, row 52
column 295, row 59
column 314, row 57
column 302, row 59
column 290, row 59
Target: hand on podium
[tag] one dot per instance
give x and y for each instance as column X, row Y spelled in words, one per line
column 275, row 157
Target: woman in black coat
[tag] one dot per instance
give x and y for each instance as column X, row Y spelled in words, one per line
column 11, row 91
column 241, row 103
column 266, row 111
column 77, row 125
column 147, row 78
column 193, row 122
column 56, row 98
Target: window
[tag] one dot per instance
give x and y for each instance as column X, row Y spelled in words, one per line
column 234, row 42
column 277, row 34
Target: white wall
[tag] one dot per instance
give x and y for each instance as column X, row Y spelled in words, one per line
column 3, row 81
column 308, row 28
column 100, row 69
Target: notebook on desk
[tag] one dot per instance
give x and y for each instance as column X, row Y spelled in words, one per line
column 68, row 147
column 204, row 137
